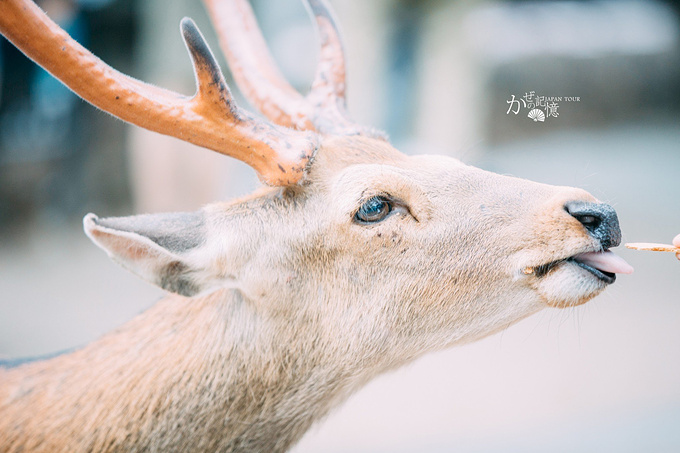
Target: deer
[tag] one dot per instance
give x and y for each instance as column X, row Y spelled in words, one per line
column 351, row 260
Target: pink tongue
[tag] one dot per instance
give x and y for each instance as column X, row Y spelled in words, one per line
column 605, row 261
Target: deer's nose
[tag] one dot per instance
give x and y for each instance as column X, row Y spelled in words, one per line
column 599, row 219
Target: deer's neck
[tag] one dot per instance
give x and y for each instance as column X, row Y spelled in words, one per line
column 187, row 375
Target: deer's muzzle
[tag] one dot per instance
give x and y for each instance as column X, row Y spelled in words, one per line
column 599, row 219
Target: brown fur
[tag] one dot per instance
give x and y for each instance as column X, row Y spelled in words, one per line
column 292, row 303
column 299, row 305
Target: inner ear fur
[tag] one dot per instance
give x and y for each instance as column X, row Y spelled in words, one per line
column 157, row 247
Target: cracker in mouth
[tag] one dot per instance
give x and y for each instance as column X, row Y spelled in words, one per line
column 653, row 247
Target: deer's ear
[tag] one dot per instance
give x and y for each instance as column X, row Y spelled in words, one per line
column 163, row 249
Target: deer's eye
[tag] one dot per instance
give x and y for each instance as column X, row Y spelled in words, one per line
column 373, row 210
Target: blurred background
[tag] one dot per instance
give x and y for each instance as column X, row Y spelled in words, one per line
column 580, row 93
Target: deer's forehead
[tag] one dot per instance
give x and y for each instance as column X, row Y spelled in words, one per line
column 339, row 152
column 368, row 158
column 349, row 170
column 436, row 175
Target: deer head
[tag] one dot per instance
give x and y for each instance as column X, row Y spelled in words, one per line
column 359, row 251
column 347, row 218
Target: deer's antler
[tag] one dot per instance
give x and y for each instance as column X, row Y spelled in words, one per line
column 210, row 118
column 258, row 77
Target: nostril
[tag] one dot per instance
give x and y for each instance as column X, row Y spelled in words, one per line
column 591, row 222
column 589, row 214
column 599, row 219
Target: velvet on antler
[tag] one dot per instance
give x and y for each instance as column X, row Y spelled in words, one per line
column 210, row 118
column 323, row 109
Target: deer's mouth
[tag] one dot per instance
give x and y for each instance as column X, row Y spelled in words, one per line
column 604, row 265
column 575, row 279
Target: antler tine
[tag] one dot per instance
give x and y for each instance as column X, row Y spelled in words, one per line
column 253, row 67
column 210, row 118
column 327, row 95
column 256, row 73
column 330, row 71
